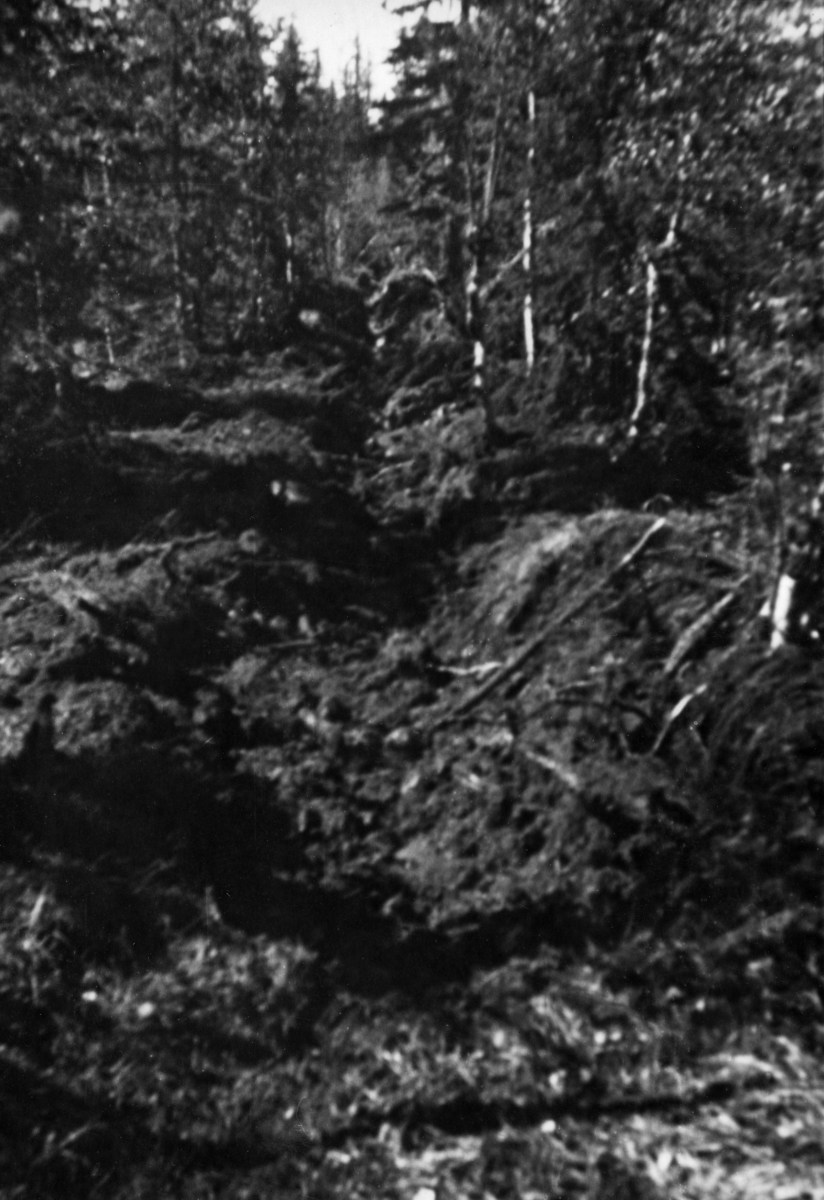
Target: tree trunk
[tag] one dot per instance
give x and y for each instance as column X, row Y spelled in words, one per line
column 177, row 197
column 649, row 321
column 652, row 276
column 289, row 260
column 477, row 232
column 529, row 327
column 474, row 316
column 108, row 204
column 646, row 345
column 528, row 239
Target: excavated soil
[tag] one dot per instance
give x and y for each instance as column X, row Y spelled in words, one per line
column 372, row 857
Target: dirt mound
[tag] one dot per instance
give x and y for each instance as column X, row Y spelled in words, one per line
column 332, row 864
column 592, row 732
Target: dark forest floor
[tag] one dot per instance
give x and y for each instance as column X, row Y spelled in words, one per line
column 377, row 858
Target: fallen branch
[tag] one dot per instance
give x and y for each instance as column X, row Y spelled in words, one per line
column 695, row 633
column 496, row 280
column 480, row 669
column 577, row 606
column 556, row 768
column 494, row 283
column 676, row 712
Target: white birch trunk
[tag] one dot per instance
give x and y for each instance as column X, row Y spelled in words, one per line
column 646, row 346
column 108, row 200
column 289, row 266
column 649, row 323
column 479, row 367
column 473, row 317
column 781, row 617
column 108, row 204
column 529, row 326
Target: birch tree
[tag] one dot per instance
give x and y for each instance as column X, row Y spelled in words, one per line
column 529, row 186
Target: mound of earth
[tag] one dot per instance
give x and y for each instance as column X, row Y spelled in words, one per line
column 339, row 858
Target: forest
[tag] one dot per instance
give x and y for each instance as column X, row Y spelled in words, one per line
column 412, row 595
